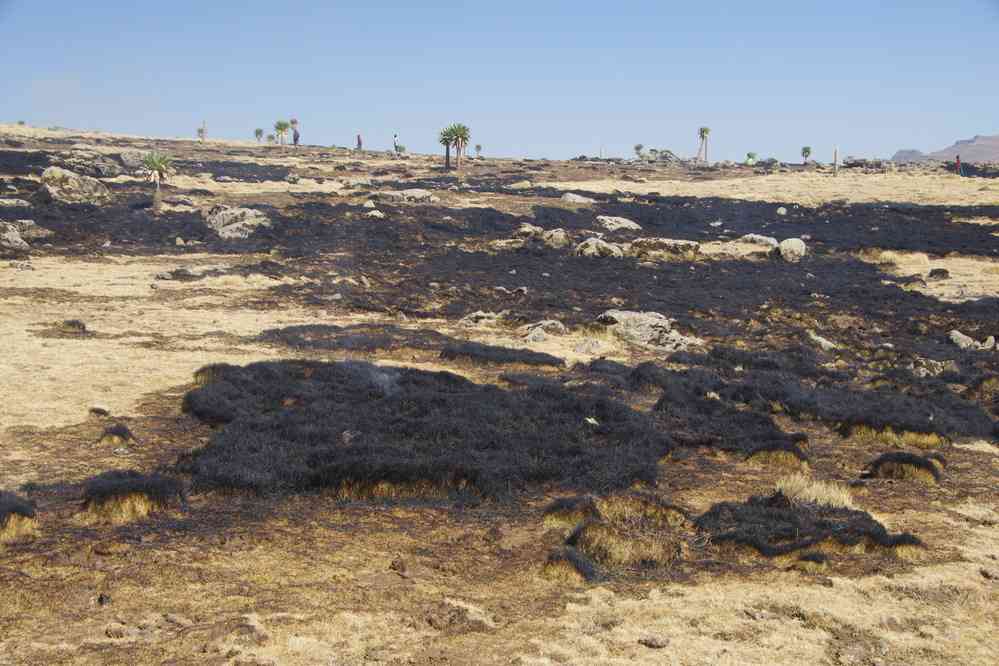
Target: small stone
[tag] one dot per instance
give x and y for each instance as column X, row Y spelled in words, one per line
column 782, row 211
column 617, row 223
column 792, row 250
column 377, row 214
column 654, row 642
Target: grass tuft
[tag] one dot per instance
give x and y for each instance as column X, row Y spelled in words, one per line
column 17, row 518
column 904, row 466
column 891, row 437
column 124, row 496
column 801, row 488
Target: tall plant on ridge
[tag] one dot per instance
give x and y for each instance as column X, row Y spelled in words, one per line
column 446, row 139
column 158, row 166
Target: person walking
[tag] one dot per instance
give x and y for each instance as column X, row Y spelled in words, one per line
column 395, row 143
column 295, row 136
column 360, row 145
column 958, row 167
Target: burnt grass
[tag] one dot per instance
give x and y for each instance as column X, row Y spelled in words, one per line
column 773, row 526
column 116, row 484
column 297, row 426
column 11, row 504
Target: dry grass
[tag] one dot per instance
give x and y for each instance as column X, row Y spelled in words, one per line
column 568, row 565
column 640, row 507
column 618, row 546
column 903, row 471
column 890, row 437
column 16, row 527
column 360, row 491
column 800, row 488
column 118, row 510
column 567, row 512
column 778, row 458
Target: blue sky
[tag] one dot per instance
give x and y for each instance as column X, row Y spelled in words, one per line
column 547, row 78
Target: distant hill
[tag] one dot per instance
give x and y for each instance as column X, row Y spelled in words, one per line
column 976, row 149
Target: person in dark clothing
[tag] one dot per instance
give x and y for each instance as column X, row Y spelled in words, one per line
column 295, row 136
column 360, row 145
column 958, row 167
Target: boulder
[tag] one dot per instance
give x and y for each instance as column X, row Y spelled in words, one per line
column 647, row 329
column 664, row 248
column 617, row 223
column 595, row 247
column 758, row 239
column 11, row 242
column 14, row 203
column 792, row 250
column 61, row 185
column 28, row 229
column 569, row 197
column 90, row 164
column 377, row 214
column 782, row 211
column 132, row 159
column 556, row 238
column 969, row 343
column 528, row 231
column 231, row 223
column 521, row 185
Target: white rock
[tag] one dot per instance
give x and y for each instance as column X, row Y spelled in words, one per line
column 556, row 238
column 595, row 247
column 528, row 231
column 823, row 343
column 376, row 214
column 759, row 239
column 782, row 211
column 14, row 203
column 231, row 223
column 792, row 250
column 617, row 223
column 569, row 197
column 647, row 329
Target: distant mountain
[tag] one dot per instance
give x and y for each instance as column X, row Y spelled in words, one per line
column 977, row 149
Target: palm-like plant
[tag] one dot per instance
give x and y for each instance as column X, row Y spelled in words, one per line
column 158, row 166
column 702, row 134
column 281, row 128
column 638, row 149
column 462, row 135
column 271, row 138
column 259, row 134
column 447, row 139
column 478, row 150
column 654, row 152
column 806, row 152
column 751, row 158
column 201, row 134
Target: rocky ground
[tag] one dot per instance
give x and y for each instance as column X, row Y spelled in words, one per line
column 533, row 412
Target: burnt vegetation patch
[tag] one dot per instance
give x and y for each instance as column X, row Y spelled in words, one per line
column 355, row 337
column 774, row 526
column 362, row 431
column 118, row 497
column 478, row 353
column 17, row 518
column 905, row 466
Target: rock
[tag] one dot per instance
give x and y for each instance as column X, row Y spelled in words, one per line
column 569, row 197
column 521, row 185
column 654, row 642
column 782, row 211
column 938, row 274
column 758, row 239
column 556, row 238
column 28, row 229
column 406, row 196
column 617, row 223
column 824, row 344
column 506, row 245
column 11, row 242
column 647, row 329
column 179, row 241
column 792, row 250
column 229, row 222
column 64, row 186
column 537, row 335
column 480, row 318
column 528, row 231
column 595, row 247
column 967, row 342
column 132, row 159
column 14, row 203
column 550, row 326
column 369, row 204
column 588, row 346
column 291, row 179
column 90, row 164
column 663, row 248
column 376, row 214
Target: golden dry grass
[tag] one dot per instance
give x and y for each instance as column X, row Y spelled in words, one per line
column 890, row 437
column 16, row 527
column 567, row 565
column 779, row 459
column 903, row 472
column 638, row 507
column 118, row 510
column 566, row 513
column 615, row 546
column 801, row 488
column 356, row 491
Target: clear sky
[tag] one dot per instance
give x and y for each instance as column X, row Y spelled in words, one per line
column 545, row 78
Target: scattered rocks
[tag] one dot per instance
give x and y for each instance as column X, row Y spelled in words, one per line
column 406, row 196
column 11, row 242
column 527, row 230
column 539, row 331
column 480, row 318
column 792, row 250
column 232, row 223
column 90, row 164
column 132, row 159
column 664, row 248
column 617, row 223
column 369, row 204
column 595, row 247
column 968, row 343
column 647, row 329
column 506, row 245
column 569, row 197
column 61, row 185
